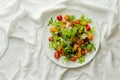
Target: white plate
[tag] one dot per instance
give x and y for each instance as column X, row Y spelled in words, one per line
column 3, row 43
column 50, row 52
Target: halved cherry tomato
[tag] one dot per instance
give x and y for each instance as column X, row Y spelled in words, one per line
column 56, row 55
column 87, row 27
column 50, row 39
column 73, row 58
column 59, row 17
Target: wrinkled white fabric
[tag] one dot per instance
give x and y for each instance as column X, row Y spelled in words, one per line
column 22, row 56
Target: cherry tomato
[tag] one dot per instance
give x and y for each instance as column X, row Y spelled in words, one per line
column 52, row 29
column 87, row 27
column 66, row 17
column 90, row 37
column 84, row 23
column 59, row 17
column 56, row 55
column 73, row 58
column 50, row 39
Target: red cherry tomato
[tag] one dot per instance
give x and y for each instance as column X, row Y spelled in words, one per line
column 87, row 27
column 59, row 17
column 56, row 55
column 73, row 58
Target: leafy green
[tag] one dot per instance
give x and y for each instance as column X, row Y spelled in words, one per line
column 53, row 45
column 68, row 50
column 54, row 23
column 82, row 18
column 50, row 22
column 65, row 33
column 57, row 23
column 81, row 59
column 74, row 30
column 81, row 29
column 91, row 46
column 88, row 20
column 72, row 17
column 56, row 40
column 92, row 30
column 66, row 59
column 63, row 44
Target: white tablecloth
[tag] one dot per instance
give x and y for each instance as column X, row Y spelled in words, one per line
column 22, row 56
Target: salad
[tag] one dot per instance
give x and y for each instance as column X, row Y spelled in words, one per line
column 71, row 37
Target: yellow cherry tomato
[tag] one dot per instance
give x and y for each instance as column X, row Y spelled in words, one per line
column 66, row 17
column 52, row 29
column 90, row 37
column 84, row 23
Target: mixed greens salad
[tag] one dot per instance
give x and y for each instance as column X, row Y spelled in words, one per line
column 71, row 37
